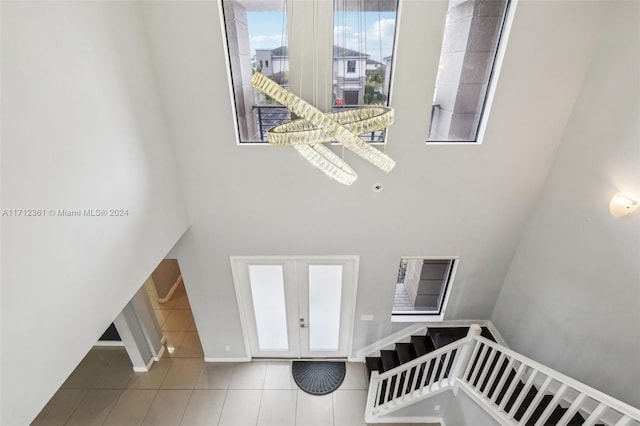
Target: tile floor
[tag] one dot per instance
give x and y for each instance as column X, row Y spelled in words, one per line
column 181, row 389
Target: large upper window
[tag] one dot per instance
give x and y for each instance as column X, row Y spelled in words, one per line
column 363, row 41
column 257, row 41
column 256, row 33
column 471, row 37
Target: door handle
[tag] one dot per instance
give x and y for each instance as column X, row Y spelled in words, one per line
column 302, row 323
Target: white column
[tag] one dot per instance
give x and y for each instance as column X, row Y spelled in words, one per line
column 140, row 332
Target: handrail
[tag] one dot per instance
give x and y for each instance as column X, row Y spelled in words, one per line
column 579, row 386
column 468, row 362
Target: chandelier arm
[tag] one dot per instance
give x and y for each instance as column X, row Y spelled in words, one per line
column 328, row 162
column 326, row 124
column 360, row 121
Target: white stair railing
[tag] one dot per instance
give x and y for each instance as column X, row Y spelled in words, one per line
column 417, row 379
column 512, row 387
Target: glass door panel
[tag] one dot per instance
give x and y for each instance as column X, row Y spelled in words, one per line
column 325, row 297
column 267, row 293
column 296, row 306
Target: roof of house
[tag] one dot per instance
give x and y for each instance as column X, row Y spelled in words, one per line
column 338, row 52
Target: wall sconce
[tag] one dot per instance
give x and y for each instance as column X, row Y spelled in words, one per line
column 621, row 205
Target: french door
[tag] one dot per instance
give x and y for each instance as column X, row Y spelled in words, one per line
column 297, row 307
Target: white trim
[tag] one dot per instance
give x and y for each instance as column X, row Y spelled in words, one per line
column 114, row 343
column 354, row 303
column 236, row 261
column 172, row 290
column 421, row 317
column 411, row 419
column 495, row 333
column 215, row 359
column 386, row 341
column 160, row 353
column 497, row 67
column 225, row 44
column 144, row 369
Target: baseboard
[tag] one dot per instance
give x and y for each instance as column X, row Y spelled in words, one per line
column 215, row 359
column 172, row 290
column 413, row 419
column 386, row 341
column 115, row 343
column 160, row 353
column 144, row 369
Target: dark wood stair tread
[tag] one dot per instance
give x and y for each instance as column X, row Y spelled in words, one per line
column 389, row 359
column 487, row 334
column 374, row 363
column 406, row 352
column 442, row 336
column 422, row 345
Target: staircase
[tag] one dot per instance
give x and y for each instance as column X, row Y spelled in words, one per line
column 513, row 389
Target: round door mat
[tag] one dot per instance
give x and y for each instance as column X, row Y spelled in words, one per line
column 318, row 377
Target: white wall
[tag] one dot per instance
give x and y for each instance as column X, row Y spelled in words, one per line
column 463, row 411
column 82, row 128
column 571, row 299
column 452, row 409
column 470, row 201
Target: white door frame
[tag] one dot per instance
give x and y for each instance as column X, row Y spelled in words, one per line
column 239, row 272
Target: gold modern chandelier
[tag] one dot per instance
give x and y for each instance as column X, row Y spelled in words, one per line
column 308, row 133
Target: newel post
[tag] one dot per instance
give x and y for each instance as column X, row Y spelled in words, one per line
column 372, row 397
column 463, row 355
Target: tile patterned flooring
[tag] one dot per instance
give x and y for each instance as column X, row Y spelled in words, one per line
column 181, row 389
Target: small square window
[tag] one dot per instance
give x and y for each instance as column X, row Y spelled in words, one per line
column 422, row 288
column 351, row 66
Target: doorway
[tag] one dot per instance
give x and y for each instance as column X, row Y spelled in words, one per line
column 296, row 307
column 351, row 97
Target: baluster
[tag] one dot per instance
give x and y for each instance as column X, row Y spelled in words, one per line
column 387, row 390
column 261, row 125
column 503, row 379
column 483, row 354
column 416, row 371
column 552, row 406
column 624, row 421
column 536, row 401
column 573, row 409
column 512, row 386
column 486, row 368
column 523, row 393
column 435, row 371
column 407, row 381
column 427, row 373
column 596, row 414
column 443, row 367
column 494, row 374
column 393, row 385
column 474, row 354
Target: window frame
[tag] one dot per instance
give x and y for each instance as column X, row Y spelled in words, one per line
column 496, row 65
column 424, row 316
